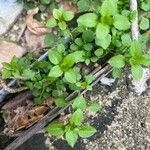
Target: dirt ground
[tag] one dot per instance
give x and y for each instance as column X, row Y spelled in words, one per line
column 122, row 124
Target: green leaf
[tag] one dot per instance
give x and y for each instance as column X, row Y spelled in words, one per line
column 116, row 72
column 7, row 66
column 103, row 38
column 109, row 8
column 49, row 39
column 60, row 102
column 55, row 72
column 126, row 40
column 88, row 46
column 54, row 56
column 62, row 25
column 71, row 76
column 79, row 102
column 56, row 129
column 45, row 1
column 89, row 79
column 78, row 56
column 121, row 22
column 83, row 5
column 117, row 61
column 71, row 138
column 6, row 74
column 61, row 48
column 77, row 117
column 144, row 23
column 87, row 61
column 68, row 15
column 86, row 131
column 136, row 49
column 14, row 62
column 57, row 13
column 88, row 36
column 137, row 71
column 51, row 23
column 16, row 74
column 145, row 6
column 74, row 47
column 102, row 31
column 68, row 61
column 132, row 15
column 28, row 73
column 78, row 41
column 95, row 107
column 99, row 52
column 94, row 59
column 145, row 60
column 88, row 20
column 104, row 42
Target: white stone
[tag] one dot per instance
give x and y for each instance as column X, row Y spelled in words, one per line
column 9, row 12
column 141, row 85
column 107, row 81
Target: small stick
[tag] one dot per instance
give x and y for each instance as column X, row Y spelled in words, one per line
column 134, row 26
column 11, row 90
column 21, row 32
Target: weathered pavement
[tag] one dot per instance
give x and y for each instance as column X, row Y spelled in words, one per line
column 9, row 12
column 123, row 124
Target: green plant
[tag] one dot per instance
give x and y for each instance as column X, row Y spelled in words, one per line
column 86, row 43
column 103, row 22
column 134, row 57
column 60, row 17
column 104, row 31
column 74, row 128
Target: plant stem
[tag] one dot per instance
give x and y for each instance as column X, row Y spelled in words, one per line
column 134, row 26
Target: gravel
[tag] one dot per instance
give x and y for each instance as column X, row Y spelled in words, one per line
column 123, row 123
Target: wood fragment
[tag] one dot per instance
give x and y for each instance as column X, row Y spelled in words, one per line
column 21, row 32
column 18, row 100
column 11, row 90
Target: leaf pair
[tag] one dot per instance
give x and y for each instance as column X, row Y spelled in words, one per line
column 60, row 16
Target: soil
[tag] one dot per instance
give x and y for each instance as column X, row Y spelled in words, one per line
column 123, row 123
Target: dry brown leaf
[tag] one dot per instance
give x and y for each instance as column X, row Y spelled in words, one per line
column 33, row 25
column 23, row 117
column 8, row 50
column 34, row 42
column 68, row 6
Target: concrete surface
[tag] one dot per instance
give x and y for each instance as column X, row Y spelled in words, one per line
column 9, row 12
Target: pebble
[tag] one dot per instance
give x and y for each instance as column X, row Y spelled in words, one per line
column 15, row 27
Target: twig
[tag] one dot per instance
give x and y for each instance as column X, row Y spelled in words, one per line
column 20, row 78
column 21, row 32
column 11, row 90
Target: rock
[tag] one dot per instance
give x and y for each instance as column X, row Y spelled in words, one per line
column 9, row 12
column 8, row 50
column 15, row 27
column 34, row 41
